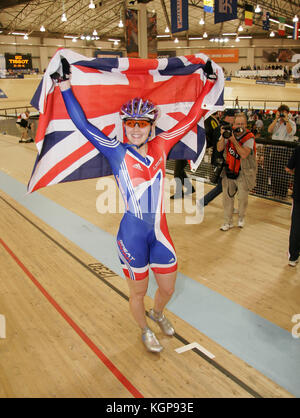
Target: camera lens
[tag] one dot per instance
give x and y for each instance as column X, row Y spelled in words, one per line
column 227, row 134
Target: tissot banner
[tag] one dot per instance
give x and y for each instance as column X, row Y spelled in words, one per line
column 225, row 10
column 179, row 15
column 18, row 61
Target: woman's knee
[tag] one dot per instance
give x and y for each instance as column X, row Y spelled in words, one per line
column 167, row 290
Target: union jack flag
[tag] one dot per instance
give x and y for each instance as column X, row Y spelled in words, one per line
column 101, row 86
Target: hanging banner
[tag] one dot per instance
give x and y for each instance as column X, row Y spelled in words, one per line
column 131, row 24
column 152, row 34
column 179, row 15
column 225, row 10
column 222, row 55
column 281, row 26
column 208, row 6
column 266, row 20
column 249, row 14
column 296, row 31
column 18, row 61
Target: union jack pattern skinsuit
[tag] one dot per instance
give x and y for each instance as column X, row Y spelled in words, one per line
column 143, row 238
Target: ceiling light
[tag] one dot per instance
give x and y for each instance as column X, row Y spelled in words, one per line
column 121, row 25
column 95, row 33
column 25, row 36
column 163, row 36
column 295, row 19
column 201, row 21
column 74, row 40
column 113, row 40
column 237, row 39
column 64, row 17
column 42, row 28
column 88, row 37
column 17, row 33
column 240, row 29
column 194, row 39
column 82, row 37
column 167, row 30
column 272, row 34
column 257, row 9
column 92, row 5
column 176, row 40
column 116, row 43
column 205, row 35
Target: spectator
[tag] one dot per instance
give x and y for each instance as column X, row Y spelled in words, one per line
column 283, row 128
column 23, row 125
column 217, row 159
column 182, row 180
column 211, row 125
column 239, row 174
column 293, row 167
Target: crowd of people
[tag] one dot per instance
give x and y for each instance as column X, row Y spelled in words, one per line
column 285, row 74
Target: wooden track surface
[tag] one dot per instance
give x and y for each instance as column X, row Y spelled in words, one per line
column 44, row 356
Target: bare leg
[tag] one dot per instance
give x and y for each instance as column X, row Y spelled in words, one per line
column 166, row 287
column 137, row 292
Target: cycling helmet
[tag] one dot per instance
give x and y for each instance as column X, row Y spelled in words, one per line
column 138, row 108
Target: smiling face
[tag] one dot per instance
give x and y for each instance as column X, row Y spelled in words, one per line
column 137, row 131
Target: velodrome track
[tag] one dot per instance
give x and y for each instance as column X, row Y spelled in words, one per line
column 68, row 328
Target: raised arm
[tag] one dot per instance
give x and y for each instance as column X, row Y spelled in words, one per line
column 175, row 134
column 103, row 143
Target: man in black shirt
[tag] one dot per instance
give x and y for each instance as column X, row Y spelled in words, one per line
column 217, row 158
column 211, row 125
column 293, row 167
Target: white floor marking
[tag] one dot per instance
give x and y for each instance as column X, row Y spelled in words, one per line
column 194, row 345
column 2, row 326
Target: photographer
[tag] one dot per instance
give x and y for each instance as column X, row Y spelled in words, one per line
column 293, row 167
column 239, row 173
column 283, row 128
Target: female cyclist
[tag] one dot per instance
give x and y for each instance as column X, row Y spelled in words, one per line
column 139, row 168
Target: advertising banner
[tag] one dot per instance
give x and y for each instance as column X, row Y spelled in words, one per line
column 18, row 61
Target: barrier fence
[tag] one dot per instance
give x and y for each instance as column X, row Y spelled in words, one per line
column 272, row 181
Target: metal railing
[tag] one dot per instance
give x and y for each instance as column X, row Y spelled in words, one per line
column 261, row 104
column 272, row 181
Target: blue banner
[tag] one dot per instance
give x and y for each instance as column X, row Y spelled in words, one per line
column 225, row 10
column 179, row 15
column 208, row 6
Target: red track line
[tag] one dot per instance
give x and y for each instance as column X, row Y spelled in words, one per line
column 76, row 328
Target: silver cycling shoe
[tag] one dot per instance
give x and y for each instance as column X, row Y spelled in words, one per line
column 165, row 325
column 150, row 341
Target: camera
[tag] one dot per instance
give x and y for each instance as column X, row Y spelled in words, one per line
column 228, row 131
column 215, row 175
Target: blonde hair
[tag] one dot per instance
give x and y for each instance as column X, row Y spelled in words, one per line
column 241, row 115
